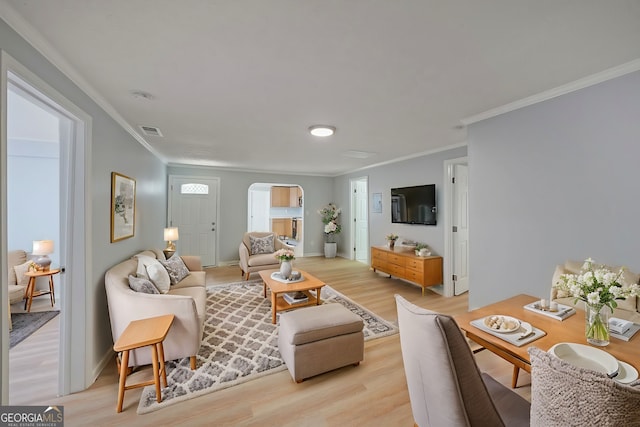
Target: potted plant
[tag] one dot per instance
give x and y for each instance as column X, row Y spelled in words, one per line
column 422, row 250
column 332, row 227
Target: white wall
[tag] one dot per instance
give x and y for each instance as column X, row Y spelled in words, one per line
column 112, row 149
column 427, row 169
column 554, row 181
column 234, row 190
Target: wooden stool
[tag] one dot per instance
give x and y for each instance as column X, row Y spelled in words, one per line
column 31, row 292
column 140, row 333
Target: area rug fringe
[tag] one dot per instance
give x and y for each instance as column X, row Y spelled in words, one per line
column 240, row 343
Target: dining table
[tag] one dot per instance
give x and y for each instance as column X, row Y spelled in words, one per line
column 569, row 330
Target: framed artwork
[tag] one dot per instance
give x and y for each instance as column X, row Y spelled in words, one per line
column 123, row 207
column 376, row 202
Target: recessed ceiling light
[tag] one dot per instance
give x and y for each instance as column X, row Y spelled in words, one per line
column 322, row 130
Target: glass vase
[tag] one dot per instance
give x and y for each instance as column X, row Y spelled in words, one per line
column 597, row 324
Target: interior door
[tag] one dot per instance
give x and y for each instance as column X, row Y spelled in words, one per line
column 361, row 220
column 259, row 200
column 194, row 210
column 461, row 229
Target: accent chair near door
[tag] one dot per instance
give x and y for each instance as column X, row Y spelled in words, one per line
column 256, row 252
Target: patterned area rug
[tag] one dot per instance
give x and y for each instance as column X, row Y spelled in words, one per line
column 24, row 324
column 240, row 343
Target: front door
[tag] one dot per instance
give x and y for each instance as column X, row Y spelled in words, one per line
column 193, row 203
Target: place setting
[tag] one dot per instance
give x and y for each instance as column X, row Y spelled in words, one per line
column 508, row 328
column 588, row 357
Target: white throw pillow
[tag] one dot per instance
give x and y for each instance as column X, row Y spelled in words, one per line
column 155, row 272
column 20, row 270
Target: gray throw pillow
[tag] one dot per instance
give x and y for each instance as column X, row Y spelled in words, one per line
column 261, row 245
column 140, row 284
column 176, row 268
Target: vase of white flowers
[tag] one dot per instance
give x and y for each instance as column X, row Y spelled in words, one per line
column 599, row 288
column 332, row 228
column 285, row 256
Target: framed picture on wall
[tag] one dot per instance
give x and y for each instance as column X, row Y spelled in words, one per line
column 123, row 207
column 376, row 202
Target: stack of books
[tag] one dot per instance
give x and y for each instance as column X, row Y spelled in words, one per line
column 293, row 298
column 622, row 329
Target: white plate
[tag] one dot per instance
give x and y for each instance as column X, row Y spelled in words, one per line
column 585, row 356
column 626, row 373
column 507, row 323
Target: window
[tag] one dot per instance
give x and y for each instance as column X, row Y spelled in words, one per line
column 194, row 188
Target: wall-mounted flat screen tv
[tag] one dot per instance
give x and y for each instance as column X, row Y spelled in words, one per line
column 414, row 205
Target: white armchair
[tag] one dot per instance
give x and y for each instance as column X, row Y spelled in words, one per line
column 257, row 260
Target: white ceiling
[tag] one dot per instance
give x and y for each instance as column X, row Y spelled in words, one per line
column 237, row 83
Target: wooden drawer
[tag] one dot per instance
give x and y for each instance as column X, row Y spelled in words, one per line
column 395, row 259
column 415, row 264
column 378, row 255
column 414, row 276
column 395, row 270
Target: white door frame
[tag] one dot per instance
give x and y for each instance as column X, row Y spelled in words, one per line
column 352, row 188
column 447, row 267
column 75, row 325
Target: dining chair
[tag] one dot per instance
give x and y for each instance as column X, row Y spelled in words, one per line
column 566, row 395
column 446, row 388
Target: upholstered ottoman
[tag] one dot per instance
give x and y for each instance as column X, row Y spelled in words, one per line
column 318, row 339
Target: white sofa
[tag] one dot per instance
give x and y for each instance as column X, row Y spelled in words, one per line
column 628, row 309
column 251, row 262
column 186, row 300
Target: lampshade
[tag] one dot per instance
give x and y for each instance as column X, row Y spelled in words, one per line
column 171, row 233
column 42, row 247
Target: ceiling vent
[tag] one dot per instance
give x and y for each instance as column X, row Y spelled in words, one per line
column 151, row 131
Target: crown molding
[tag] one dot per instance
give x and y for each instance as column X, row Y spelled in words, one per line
column 51, row 54
column 582, row 83
column 409, row 157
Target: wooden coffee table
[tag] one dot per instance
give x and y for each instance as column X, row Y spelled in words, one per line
column 278, row 303
column 568, row 330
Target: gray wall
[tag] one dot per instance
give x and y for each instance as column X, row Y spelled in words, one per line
column 427, row 169
column 234, row 197
column 554, row 181
column 112, row 149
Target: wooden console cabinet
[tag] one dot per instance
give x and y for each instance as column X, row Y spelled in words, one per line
column 404, row 264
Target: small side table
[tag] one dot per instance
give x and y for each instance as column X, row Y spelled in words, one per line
column 140, row 333
column 31, row 292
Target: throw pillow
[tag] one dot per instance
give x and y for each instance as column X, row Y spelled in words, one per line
column 140, row 284
column 176, row 269
column 142, row 270
column 156, row 273
column 20, row 270
column 261, row 245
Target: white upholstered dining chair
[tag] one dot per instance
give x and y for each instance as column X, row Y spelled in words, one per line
column 566, row 395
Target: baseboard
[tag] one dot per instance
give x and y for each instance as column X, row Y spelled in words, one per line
column 108, row 357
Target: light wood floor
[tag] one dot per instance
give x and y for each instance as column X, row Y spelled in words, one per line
column 373, row 394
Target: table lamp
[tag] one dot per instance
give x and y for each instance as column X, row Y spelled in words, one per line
column 42, row 248
column 170, row 234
